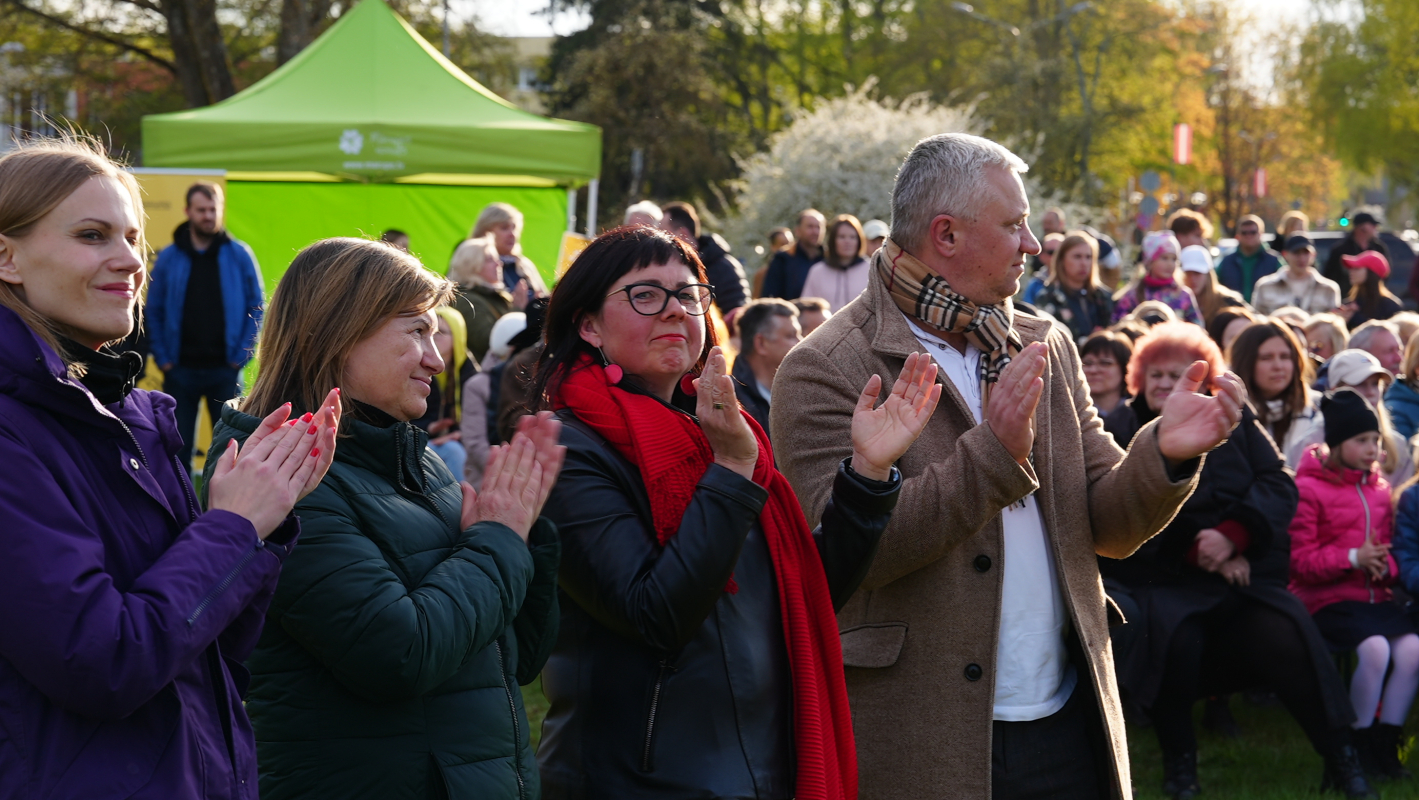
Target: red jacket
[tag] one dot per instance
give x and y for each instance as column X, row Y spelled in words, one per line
column 1338, row 507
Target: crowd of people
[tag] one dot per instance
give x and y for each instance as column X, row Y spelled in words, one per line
column 896, row 518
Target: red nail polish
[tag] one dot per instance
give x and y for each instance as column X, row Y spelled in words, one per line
column 308, row 417
column 311, row 430
column 314, row 451
column 292, row 422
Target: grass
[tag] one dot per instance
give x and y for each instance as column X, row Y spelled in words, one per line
column 1272, row 760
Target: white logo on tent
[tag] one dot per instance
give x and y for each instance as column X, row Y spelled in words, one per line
column 352, row 142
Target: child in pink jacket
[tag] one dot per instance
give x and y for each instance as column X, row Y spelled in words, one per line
column 1341, row 568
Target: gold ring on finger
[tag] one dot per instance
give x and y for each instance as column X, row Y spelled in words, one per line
column 719, row 406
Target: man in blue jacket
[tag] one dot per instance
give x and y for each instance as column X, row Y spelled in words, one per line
column 1251, row 261
column 205, row 302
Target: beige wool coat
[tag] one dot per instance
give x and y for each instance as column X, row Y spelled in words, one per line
column 927, row 617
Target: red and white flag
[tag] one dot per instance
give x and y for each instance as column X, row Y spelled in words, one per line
column 1259, row 182
column 1182, row 143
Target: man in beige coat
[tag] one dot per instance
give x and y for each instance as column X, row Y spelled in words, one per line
column 977, row 648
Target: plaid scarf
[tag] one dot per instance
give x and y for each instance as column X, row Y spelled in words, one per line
column 928, row 299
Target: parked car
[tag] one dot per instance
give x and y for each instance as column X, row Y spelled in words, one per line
column 1403, row 252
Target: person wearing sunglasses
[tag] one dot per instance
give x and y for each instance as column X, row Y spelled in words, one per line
column 699, row 653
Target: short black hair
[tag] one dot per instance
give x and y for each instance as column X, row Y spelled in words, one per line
column 207, row 189
column 1109, row 343
column 394, row 233
column 754, row 319
column 684, row 216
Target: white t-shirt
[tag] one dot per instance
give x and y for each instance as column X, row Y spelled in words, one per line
column 1033, row 676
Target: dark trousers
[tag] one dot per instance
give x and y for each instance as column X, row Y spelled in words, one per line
column 188, row 386
column 1060, row 757
column 1240, row 644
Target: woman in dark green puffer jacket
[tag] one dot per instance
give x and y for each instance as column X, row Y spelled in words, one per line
column 411, row 609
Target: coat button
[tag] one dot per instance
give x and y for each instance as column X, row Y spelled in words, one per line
column 974, row 672
column 133, row 462
column 982, row 563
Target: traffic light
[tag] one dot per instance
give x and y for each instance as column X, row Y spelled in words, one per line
column 1344, row 222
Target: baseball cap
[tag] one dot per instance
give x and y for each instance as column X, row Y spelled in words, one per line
column 1370, row 260
column 1354, row 367
column 875, row 229
column 1298, row 241
column 1364, row 217
column 1196, row 258
column 507, row 326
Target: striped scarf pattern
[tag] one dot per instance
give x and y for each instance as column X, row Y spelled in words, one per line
column 928, row 299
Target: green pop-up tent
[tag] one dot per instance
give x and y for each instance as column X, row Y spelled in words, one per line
column 371, row 128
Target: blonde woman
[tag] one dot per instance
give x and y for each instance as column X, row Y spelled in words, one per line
column 128, row 610
column 1326, row 335
column 504, row 222
column 1072, row 293
column 403, row 624
column 480, row 296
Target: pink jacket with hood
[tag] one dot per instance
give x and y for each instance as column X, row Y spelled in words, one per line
column 1338, row 507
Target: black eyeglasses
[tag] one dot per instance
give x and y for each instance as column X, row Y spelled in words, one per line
column 651, row 299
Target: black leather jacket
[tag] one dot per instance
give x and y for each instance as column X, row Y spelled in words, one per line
column 661, row 683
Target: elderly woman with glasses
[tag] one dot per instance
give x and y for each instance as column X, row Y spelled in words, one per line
column 699, row 652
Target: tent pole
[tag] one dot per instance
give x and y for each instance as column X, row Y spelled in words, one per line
column 591, row 192
column 571, row 209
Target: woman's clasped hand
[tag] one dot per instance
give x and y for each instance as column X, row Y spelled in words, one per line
column 519, row 476
column 282, row 462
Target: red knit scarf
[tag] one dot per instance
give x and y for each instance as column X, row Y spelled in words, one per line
column 673, row 454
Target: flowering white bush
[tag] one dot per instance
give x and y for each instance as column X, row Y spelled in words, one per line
column 842, row 158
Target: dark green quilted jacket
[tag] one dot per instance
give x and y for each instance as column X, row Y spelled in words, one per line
column 392, row 653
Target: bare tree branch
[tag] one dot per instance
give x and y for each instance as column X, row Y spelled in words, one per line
column 146, row 5
column 93, row 34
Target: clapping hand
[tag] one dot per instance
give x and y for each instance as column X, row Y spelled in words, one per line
column 1010, row 411
column 717, row 408
column 1191, row 423
column 881, row 435
column 519, row 476
column 281, row 462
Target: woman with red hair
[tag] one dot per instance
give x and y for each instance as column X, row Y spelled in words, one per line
column 1210, row 612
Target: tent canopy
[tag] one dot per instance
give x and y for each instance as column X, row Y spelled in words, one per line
column 372, row 101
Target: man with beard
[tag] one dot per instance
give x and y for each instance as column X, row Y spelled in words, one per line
column 205, row 302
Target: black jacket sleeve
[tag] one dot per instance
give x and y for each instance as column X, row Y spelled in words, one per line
column 612, row 565
column 857, row 512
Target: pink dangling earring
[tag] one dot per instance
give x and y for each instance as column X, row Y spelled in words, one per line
column 613, row 372
column 687, row 385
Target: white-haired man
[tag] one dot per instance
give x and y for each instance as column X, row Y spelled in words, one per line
column 977, row 649
column 643, row 213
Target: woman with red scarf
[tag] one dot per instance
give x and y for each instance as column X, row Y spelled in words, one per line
column 699, row 652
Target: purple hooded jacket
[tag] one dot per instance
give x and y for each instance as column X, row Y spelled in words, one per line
column 125, row 613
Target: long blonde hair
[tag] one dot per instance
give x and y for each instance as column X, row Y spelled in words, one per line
column 1072, row 240
column 336, row 294
column 35, row 177
column 494, row 215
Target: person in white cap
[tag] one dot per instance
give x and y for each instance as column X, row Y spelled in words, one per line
column 1362, row 372
column 1300, row 284
column 1212, row 296
column 876, row 232
column 477, row 392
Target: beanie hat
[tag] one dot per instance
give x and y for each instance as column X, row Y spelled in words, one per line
column 1158, row 242
column 1347, row 415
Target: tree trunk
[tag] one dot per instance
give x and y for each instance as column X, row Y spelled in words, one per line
column 199, row 51
column 300, row 23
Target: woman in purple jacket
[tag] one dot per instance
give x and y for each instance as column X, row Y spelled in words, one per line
column 126, row 610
